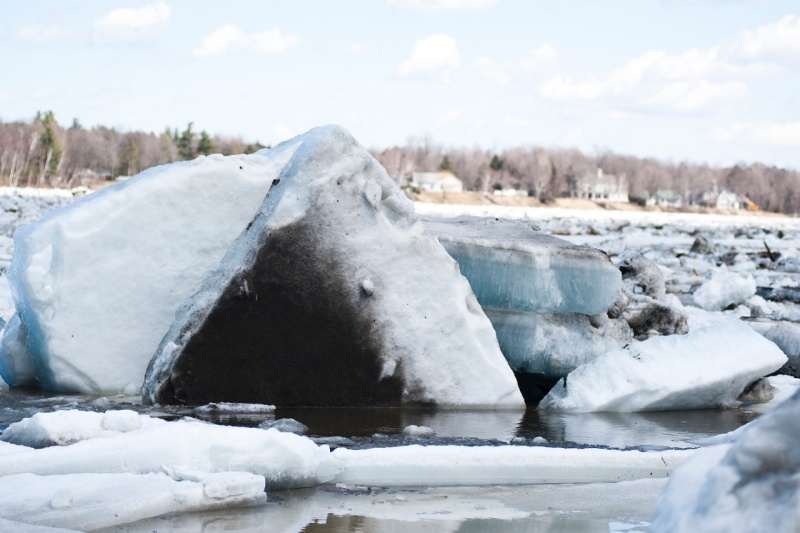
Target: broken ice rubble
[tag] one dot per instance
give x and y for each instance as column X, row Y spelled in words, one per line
column 706, row 368
column 97, row 282
column 336, row 295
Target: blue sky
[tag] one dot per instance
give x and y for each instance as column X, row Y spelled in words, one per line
column 711, row 81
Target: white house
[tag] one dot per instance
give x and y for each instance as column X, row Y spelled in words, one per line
column 443, row 181
column 601, row 186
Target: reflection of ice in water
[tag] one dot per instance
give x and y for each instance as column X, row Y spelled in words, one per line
column 621, row 506
column 621, row 430
column 482, row 424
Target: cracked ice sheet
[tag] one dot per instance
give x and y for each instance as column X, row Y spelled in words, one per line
column 586, row 507
column 92, row 501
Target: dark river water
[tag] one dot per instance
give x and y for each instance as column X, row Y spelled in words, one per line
column 621, row 507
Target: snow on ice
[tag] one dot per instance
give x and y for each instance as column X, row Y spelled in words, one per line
column 709, row 367
column 336, row 295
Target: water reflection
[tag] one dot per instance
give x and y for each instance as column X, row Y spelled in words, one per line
column 624, row 430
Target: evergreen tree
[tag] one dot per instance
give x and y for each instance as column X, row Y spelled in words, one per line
column 445, row 165
column 186, row 142
column 205, row 145
column 496, row 163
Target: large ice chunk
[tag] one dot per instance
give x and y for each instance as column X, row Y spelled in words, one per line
column 512, row 265
column 709, row 367
column 284, row 459
column 92, row 501
column 334, row 295
column 97, row 283
column 750, row 485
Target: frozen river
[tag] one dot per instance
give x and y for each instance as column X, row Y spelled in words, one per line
column 623, row 506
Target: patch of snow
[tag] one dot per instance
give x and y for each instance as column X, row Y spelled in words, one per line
column 418, row 431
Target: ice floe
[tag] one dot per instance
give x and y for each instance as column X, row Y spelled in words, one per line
column 706, row 368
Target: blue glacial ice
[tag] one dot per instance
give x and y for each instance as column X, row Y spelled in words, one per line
column 512, row 265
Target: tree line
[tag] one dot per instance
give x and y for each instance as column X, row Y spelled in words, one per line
column 42, row 153
column 548, row 173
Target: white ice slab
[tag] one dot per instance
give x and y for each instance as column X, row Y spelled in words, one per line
column 284, row 459
column 97, row 282
column 706, row 368
column 16, row 364
column 92, row 501
column 499, row 465
column 60, row 428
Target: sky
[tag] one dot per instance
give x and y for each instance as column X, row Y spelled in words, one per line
column 704, row 81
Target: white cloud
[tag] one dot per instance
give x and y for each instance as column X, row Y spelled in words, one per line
column 693, row 80
column 442, row 5
column 781, row 134
column 694, row 95
column 781, row 38
column 41, row 34
column 4, row 97
column 230, row 38
column 503, row 72
column 435, row 56
column 133, row 25
column 449, row 116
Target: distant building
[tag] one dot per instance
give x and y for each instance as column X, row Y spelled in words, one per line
column 443, row 181
column 720, row 198
column 666, row 198
column 602, row 187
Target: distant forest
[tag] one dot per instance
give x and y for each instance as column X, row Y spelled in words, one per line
column 42, row 153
